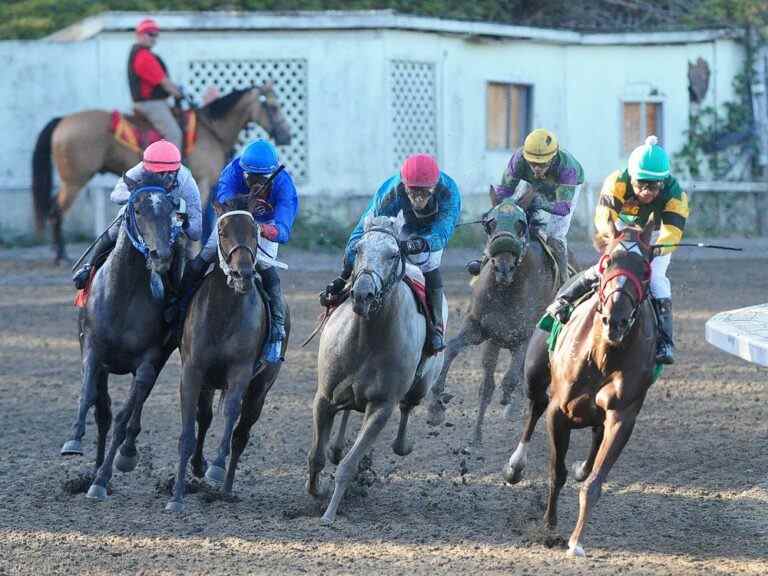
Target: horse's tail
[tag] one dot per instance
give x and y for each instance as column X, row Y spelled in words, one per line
column 42, row 174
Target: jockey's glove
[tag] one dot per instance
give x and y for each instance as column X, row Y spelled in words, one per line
column 269, row 231
column 336, row 286
column 415, row 246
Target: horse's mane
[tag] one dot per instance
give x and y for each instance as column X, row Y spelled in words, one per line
column 382, row 222
column 222, row 106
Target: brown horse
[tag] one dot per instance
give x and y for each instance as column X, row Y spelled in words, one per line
column 598, row 375
column 82, row 145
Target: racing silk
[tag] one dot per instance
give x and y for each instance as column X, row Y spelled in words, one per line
column 558, row 185
column 444, row 210
column 145, row 72
column 669, row 209
column 282, row 200
column 186, row 186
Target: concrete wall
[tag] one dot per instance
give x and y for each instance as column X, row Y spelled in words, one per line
column 577, row 92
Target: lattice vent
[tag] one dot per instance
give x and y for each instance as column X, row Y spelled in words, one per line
column 290, row 80
column 414, row 108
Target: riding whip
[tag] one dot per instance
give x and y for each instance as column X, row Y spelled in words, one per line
column 698, row 245
column 99, row 237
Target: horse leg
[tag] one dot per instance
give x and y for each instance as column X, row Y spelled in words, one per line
column 92, row 374
column 204, row 418
column 253, row 403
column 128, row 456
column 536, row 375
column 144, row 378
column 322, row 422
column 559, row 438
column 376, row 416
column 582, row 469
column 339, row 442
column 64, row 199
column 402, row 446
column 468, row 335
column 103, row 417
column 191, row 383
column 490, row 359
column 237, row 383
column 618, row 429
column 511, row 378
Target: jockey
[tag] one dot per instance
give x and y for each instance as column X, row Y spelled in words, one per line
column 275, row 212
column 556, row 177
column 643, row 191
column 431, row 204
column 150, row 84
column 161, row 161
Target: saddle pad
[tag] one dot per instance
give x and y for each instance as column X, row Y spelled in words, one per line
column 134, row 137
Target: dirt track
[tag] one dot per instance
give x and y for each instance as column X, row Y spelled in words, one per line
column 688, row 496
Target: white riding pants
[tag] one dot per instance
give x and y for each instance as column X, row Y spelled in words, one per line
column 661, row 287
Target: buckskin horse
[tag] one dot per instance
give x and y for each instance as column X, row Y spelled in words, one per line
column 509, row 296
column 598, row 374
column 121, row 326
column 370, row 356
column 83, row 144
column 224, row 334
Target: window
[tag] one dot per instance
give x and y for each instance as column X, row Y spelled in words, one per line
column 640, row 120
column 508, row 115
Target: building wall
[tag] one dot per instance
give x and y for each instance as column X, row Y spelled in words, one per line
column 577, row 93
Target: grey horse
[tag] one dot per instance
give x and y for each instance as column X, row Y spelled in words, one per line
column 370, row 356
column 122, row 330
column 224, row 333
column 509, row 296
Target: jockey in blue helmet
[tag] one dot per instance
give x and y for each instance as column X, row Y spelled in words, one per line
column 274, row 209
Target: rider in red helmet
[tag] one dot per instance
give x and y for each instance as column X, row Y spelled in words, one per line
column 431, row 204
column 161, row 164
column 150, row 84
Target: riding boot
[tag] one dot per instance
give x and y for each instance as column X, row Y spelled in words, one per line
column 176, row 309
column 665, row 347
column 580, row 285
column 560, row 252
column 102, row 248
column 271, row 282
column 434, row 282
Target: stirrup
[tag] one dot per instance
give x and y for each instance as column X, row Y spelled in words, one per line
column 665, row 354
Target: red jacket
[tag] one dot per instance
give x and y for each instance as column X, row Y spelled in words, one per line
column 145, row 72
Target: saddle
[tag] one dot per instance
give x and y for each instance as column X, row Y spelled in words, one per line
column 136, row 132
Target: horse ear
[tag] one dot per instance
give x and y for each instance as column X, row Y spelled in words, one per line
column 218, row 208
column 130, row 182
column 399, row 222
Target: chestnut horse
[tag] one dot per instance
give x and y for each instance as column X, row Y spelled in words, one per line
column 598, row 375
column 82, row 144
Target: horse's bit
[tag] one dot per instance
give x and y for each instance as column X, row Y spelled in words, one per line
column 606, row 275
column 394, row 277
column 224, row 258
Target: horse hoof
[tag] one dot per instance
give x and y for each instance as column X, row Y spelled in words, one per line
column 96, row 492
column 579, row 472
column 402, row 448
column 72, row 448
column 436, row 415
column 513, row 475
column 576, row 551
column 126, row 463
column 327, row 519
column 335, row 455
column 215, row 474
column 174, row 506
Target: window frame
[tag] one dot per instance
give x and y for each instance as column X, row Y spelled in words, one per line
column 525, row 116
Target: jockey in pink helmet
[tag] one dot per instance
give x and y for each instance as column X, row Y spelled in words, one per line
column 161, row 164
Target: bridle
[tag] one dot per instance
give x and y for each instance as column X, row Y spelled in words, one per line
column 225, row 257
column 608, row 274
column 392, row 279
column 132, row 228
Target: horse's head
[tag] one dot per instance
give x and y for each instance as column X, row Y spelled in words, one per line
column 238, row 238
column 153, row 225
column 507, row 228
column 264, row 109
column 624, row 277
column 379, row 262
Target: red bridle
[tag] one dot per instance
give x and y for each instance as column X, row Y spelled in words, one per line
column 608, row 275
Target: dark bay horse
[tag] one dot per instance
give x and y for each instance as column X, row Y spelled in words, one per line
column 121, row 327
column 508, row 298
column 598, row 375
column 370, row 357
column 224, row 334
column 82, row 145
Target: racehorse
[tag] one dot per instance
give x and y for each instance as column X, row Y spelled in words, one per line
column 224, row 334
column 82, row 144
column 370, row 356
column 598, row 375
column 121, row 326
column 510, row 295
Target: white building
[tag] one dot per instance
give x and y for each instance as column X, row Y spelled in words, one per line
column 364, row 89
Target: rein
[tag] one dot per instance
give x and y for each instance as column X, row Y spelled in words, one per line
column 608, row 274
column 385, row 284
column 132, row 227
column 225, row 258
